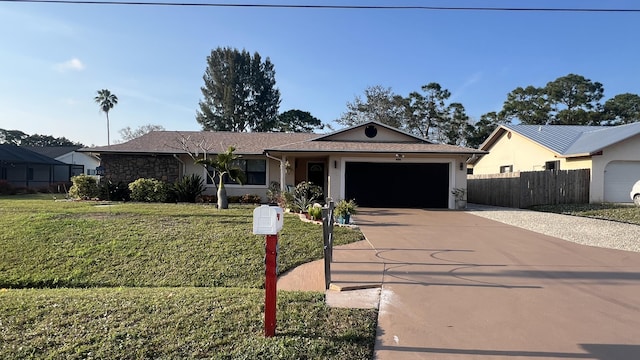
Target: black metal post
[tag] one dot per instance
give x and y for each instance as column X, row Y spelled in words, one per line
column 327, row 237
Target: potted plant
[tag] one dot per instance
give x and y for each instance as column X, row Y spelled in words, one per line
column 315, row 212
column 344, row 209
column 460, row 195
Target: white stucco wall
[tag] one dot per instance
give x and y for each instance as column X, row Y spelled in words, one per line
column 627, row 150
column 383, row 135
column 273, row 174
column 76, row 158
column 335, row 166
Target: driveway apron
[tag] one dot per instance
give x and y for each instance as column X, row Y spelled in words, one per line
column 458, row 286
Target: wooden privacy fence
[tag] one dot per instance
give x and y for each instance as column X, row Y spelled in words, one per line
column 524, row 189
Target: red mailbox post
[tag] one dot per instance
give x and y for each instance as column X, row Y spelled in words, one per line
column 268, row 220
column 270, row 285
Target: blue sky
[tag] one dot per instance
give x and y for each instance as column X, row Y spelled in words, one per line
column 53, row 58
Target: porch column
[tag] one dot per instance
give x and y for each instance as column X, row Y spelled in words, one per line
column 283, row 173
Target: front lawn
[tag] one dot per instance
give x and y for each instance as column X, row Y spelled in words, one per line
column 615, row 212
column 76, row 244
column 177, row 323
column 147, row 281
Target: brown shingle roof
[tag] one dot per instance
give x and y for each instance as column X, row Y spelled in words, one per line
column 169, row 142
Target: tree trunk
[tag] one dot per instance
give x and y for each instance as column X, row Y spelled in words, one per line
column 223, row 203
column 108, row 138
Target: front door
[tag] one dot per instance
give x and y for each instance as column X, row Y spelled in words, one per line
column 315, row 173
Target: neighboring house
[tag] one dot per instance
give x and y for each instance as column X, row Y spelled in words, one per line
column 375, row 164
column 81, row 163
column 612, row 153
column 24, row 168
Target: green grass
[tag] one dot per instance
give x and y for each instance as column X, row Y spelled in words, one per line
column 176, row 323
column 76, row 244
column 146, row 281
column 615, row 212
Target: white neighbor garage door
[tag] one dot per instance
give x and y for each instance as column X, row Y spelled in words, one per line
column 619, row 177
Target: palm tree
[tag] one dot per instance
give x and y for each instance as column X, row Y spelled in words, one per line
column 223, row 164
column 107, row 101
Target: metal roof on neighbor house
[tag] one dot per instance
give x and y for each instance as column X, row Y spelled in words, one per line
column 596, row 140
column 575, row 140
column 18, row 155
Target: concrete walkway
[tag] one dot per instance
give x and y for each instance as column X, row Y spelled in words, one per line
column 458, row 286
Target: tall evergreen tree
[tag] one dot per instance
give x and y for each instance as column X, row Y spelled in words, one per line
column 380, row 104
column 575, row 100
column 239, row 92
column 529, row 105
column 453, row 128
column 426, row 112
column 19, row 138
column 47, row 140
column 622, row 109
column 296, row 120
column 14, row 137
column 567, row 100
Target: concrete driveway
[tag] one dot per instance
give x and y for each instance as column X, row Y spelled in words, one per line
column 458, row 286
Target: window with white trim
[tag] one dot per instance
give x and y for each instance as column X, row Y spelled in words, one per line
column 254, row 169
column 506, row 169
column 552, row 165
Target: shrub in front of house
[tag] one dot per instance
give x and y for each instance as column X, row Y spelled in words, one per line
column 150, row 190
column 306, row 194
column 285, row 200
column 188, row 188
column 250, row 199
column 115, row 192
column 273, row 192
column 233, row 199
column 207, row 199
column 308, row 190
column 6, row 188
column 84, row 187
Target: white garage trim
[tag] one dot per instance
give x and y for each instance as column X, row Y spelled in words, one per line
column 452, row 169
column 619, row 177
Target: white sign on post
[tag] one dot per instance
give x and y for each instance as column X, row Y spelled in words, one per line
column 267, row 220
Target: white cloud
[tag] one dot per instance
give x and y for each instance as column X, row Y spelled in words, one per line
column 70, row 65
column 470, row 81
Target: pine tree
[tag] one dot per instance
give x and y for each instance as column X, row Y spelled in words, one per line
column 239, row 92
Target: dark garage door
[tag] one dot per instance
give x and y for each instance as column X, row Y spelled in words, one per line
column 398, row 184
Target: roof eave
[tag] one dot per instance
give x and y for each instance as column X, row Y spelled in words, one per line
column 493, row 137
column 334, row 151
column 577, row 155
column 157, row 152
column 319, row 138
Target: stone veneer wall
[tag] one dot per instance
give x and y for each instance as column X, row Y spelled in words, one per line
column 128, row 168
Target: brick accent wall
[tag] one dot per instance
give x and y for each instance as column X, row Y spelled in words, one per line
column 128, row 168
